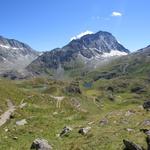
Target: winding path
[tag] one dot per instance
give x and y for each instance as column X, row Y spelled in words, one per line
column 7, row 114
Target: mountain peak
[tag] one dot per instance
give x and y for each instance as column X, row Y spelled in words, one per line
column 89, row 50
column 102, row 41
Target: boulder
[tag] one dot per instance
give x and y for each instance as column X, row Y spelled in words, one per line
column 131, row 146
column 66, row 130
column 41, row 144
column 146, row 105
column 146, row 123
column 84, row 131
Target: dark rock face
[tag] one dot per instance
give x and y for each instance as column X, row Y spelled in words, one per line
column 40, row 144
column 131, row 146
column 146, row 105
column 87, row 47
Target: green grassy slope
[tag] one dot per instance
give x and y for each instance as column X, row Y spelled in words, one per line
column 114, row 93
column 45, row 120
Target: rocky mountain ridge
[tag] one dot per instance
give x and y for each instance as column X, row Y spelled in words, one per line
column 15, row 55
column 89, row 50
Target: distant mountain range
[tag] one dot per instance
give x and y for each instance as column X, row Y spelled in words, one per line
column 92, row 51
column 89, row 51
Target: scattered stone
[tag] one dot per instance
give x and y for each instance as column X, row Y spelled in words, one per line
column 129, row 130
column 129, row 113
column 84, row 131
column 141, row 107
column 21, row 122
column 55, row 113
column 146, row 123
column 90, row 123
column 131, row 146
column 103, row 122
column 6, row 130
column 15, row 138
column 146, row 105
column 75, row 103
column 41, row 144
column 23, row 105
column 66, row 130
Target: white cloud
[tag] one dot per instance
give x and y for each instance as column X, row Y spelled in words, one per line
column 81, row 34
column 116, row 14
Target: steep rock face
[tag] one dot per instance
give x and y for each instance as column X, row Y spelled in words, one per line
column 15, row 55
column 88, row 50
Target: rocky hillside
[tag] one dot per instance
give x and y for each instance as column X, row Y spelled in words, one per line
column 88, row 51
column 15, row 55
column 134, row 64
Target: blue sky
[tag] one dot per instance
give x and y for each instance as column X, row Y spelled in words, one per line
column 47, row 24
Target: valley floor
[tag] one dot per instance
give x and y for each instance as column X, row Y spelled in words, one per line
column 47, row 108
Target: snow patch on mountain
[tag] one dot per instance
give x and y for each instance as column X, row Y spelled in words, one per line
column 114, row 53
column 9, row 47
